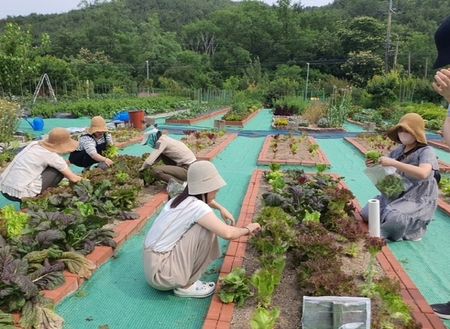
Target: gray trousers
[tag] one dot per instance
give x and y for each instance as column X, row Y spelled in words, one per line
column 50, row 178
column 185, row 263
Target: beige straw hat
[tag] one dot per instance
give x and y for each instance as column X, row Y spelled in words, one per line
column 203, row 177
column 98, row 124
column 412, row 123
column 59, row 141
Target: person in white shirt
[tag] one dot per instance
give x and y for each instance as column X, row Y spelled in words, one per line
column 39, row 166
column 91, row 146
column 183, row 241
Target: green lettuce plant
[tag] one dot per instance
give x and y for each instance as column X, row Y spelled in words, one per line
column 234, row 287
column 12, row 222
column 262, row 318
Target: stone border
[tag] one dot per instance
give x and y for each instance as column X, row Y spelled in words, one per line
column 264, row 159
column 207, row 116
column 219, row 314
column 211, row 154
column 439, row 145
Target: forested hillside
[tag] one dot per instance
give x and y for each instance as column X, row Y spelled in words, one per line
column 220, row 43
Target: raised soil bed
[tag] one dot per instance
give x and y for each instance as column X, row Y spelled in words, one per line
column 284, row 154
column 199, row 118
column 220, row 315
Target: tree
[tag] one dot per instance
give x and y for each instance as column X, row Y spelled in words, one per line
column 97, row 67
column 57, row 70
column 155, row 45
column 191, row 70
column 201, row 37
column 17, row 58
column 381, row 87
column 363, row 34
column 362, row 66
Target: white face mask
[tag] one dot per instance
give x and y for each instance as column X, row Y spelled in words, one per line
column 406, row 138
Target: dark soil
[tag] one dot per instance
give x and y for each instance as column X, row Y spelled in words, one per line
column 287, row 295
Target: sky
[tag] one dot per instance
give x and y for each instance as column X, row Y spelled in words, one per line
column 26, row 7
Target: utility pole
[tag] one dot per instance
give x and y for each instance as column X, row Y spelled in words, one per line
column 307, row 78
column 388, row 38
column 147, row 69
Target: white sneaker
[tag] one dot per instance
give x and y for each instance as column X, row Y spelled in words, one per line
column 199, row 289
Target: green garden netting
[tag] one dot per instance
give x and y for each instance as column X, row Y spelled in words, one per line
column 118, row 295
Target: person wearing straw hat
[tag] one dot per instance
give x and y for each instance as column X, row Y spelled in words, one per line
column 183, row 239
column 92, row 144
column 177, row 157
column 39, row 166
column 407, row 216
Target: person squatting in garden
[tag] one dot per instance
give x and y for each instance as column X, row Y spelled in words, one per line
column 183, row 241
column 442, row 86
column 175, row 155
column 407, row 216
column 39, row 166
column 91, row 146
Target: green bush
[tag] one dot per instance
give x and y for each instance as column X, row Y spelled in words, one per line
column 298, row 103
column 107, row 108
column 9, row 120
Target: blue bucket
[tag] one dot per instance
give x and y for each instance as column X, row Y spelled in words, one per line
column 122, row 116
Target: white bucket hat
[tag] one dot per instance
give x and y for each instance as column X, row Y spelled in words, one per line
column 147, row 134
column 203, row 177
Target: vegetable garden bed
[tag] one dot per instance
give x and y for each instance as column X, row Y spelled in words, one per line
column 221, row 314
column 199, row 118
column 292, row 150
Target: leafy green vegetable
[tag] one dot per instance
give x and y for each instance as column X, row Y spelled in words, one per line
column 321, row 167
column 14, row 221
column 391, row 186
column 264, row 319
column 6, row 320
column 111, row 151
column 373, row 155
column 312, row 216
column 234, row 287
column 265, row 280
column 38, row 313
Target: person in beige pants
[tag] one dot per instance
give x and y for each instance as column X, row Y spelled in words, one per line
column 177, row 157
column 183, row 241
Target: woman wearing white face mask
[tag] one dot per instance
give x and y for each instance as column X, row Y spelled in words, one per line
column 407, row 217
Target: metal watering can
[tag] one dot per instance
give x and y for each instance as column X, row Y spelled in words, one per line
column 37, row 124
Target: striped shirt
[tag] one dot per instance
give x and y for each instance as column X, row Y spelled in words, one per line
column 88, row 142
